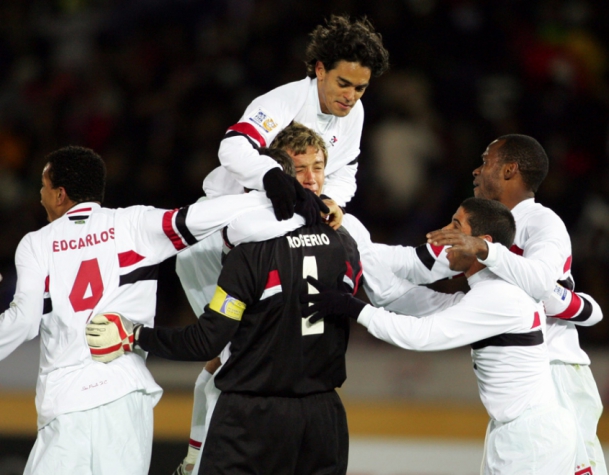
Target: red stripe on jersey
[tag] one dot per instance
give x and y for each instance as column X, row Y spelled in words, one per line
column 126, row 259
column 516, row 250
column 273, row 280
column 436, row 249
column 349, row 272
column 567, row 265
column 79, row 210
column 175, row 239
column 195, row 443
column 250, row 131
column 573, row 309
column 46, row 284
column 536, row 320
column 358, row 277
column 585, row 471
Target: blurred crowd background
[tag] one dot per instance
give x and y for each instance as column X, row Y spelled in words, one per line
column 152, row 85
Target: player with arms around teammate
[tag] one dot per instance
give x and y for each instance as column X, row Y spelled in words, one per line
column 341, row 58
column 504, row 326
column 513, row 167
column 278, row 411
column 89, row 259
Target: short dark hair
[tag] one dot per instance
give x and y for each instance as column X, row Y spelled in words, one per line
column 296, row 138
column 80, row 171
column 281, row 157
column 490, row 217
column 529, row 155
column 344, row 40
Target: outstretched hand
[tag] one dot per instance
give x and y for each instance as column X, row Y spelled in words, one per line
column 458, row 241
column 329, row 302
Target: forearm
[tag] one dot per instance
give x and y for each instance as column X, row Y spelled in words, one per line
column 201, row 341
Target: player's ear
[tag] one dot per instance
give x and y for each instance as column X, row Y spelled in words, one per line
column 61, row 196
column 510, row 170
column 320, row 70
column 486, row 237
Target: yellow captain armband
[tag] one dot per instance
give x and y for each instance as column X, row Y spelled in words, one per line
column 226, row 305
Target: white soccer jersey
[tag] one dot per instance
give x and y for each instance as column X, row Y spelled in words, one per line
column 264, row 118
column 505, row 328
column 92, row 260
column 542, row 239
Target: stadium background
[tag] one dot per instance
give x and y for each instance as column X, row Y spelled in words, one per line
column 153, row 84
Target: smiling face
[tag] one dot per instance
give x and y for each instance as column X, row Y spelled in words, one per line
column 310, row 169
column 340, row 88
column 460, row 261
column 488, row 179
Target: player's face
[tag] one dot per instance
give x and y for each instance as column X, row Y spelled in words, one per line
column 47, row 194
column 488, row 181
column 310, row 169
column 340, row 88
column 460, row 261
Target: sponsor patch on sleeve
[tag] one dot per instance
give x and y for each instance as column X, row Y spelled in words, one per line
column 263, row 119
column 226, row 305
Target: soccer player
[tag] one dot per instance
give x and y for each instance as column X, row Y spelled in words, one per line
column 505, row 328
column 278, row 411
column 96, row 418
column 341, row 58
column 513, row 167
column 301, row 153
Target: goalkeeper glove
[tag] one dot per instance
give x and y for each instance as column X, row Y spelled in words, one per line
column 330, row 302
column 109, row 335
column 311, row 207
column 283, row 191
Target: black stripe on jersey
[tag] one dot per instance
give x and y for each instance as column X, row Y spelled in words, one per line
column 511, row 339
column 234, row 133
column 585, row 313
column 47, row 306
column 354, row 161
column 182, row 228
column 425, row 256
column 567, row 283
column 143, row 273
column 77, row 218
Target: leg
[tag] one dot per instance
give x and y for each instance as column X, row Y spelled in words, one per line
column 577, row 392
column 325, row 445
column 251, row 435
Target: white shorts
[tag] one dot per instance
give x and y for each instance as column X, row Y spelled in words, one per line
column 541, row 441
column 114, row 439
column 577, row 392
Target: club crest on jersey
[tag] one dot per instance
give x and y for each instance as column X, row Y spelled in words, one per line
column 226, row 305
column 333, row 140
column 264, row 120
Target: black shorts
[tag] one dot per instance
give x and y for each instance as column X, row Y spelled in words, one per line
column 277, row 436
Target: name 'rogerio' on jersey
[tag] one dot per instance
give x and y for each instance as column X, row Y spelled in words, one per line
column 307, row 240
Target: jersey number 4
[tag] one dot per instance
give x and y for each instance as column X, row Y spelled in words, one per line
column 88, row 286
column 309, row 267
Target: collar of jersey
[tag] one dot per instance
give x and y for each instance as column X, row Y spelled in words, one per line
column 481, row 275
column 82, row 209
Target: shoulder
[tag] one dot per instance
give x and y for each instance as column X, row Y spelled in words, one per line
column 543, row 218
column 286, row 92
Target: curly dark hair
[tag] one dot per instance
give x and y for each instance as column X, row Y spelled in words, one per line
column 344, row 40
column 490, row 217
column 530, row 156
column 80, row 171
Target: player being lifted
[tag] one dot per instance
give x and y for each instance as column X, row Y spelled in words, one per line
column 341, row 58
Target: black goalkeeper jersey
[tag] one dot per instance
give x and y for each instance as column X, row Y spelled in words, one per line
column 274, row 351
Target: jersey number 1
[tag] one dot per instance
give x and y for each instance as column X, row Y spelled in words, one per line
column 309, row 267
column 88, row 286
